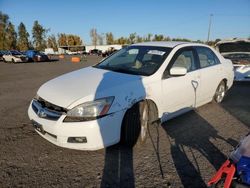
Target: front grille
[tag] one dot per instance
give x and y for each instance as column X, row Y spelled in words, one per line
column 50, row 106
column 47, row 110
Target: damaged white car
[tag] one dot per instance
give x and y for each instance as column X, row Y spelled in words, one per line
column 117, row 99
column 237, row 50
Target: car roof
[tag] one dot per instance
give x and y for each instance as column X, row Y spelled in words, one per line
column 169, row 44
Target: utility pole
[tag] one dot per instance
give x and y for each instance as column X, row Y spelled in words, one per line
column 209, row 27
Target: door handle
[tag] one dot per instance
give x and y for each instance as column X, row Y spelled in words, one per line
column 195, row 84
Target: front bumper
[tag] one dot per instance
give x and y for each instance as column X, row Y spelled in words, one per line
column 99, row 133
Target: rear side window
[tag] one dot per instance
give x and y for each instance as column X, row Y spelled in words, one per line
column 207, row 57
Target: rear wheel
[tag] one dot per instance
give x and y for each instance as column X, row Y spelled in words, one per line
column 135, row 124
column 4, row 60
column 220, row 92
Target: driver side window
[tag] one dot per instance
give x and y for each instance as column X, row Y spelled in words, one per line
column 185, row 59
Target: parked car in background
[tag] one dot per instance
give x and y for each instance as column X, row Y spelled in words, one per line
column 237, row 50
column 117, row 99
column 2, row 52
column 49, row 51
column 109, row 52
column 14, row 57
column 36, row 56
column 95, row 52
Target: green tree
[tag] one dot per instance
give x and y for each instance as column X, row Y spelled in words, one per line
column 4, row 21
column 148, row 37
column 23, row 38
column 62, row 39
column 39, row 35
column 109, row 38
column 121, row 41
column 132, row 38
column 67, row 40
column 52, row 43
column 10, row 37
column 139, row 39
column 158, row 37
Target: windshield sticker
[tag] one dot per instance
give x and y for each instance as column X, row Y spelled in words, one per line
column 156, row 52
column 133, row 51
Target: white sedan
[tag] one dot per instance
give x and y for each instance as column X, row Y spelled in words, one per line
column 117, row 99
column 14, row 56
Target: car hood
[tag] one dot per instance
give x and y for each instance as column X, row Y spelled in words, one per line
column 88, row 84
column 241, row 58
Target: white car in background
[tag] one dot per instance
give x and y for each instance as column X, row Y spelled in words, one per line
column 117, row 99
column 14, row 56
column 237, row 50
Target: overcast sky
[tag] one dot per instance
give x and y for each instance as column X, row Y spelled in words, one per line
column 174, row 18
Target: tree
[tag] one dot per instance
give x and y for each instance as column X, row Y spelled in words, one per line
column 132, row 38
column 69, row 40
column 148, row 37
column 139, row 39
column 94, row 36
column 109, row 38
column 39, row 35
column 62, row 39
column 100, row 39
column 23, row 38
column 4, row 21
column 121, row 41
column 10, row 37
column 158, row 37
column 52, row 43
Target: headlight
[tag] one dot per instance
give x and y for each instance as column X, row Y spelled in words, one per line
column 89, row 110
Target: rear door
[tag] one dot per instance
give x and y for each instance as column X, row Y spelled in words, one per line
column 211, row 74
column 179, row 92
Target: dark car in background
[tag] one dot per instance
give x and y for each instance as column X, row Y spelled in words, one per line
column 95, row 52
column 2, row 53
column 36, row 56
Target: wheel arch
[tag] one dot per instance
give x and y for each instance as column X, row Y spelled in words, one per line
column 153, row 108
column 225, row 81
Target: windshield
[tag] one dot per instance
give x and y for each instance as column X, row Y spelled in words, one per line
column 234, row 47
column 138, row 60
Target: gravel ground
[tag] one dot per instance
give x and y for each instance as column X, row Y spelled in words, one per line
column 183, row 152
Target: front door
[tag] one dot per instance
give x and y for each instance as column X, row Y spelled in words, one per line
column 180, row 92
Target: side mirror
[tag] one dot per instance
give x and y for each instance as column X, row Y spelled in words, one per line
column 178, row 71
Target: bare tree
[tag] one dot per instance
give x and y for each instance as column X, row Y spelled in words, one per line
column 100, row 39
column 94, row 36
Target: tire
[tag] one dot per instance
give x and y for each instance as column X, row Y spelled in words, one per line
column 13, row 61
column 4, row 60
column 135, row 124
column 220, row 92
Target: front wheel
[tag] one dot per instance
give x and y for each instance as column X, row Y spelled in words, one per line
column 220, row 92
column 13, row 61
column 135, row 124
